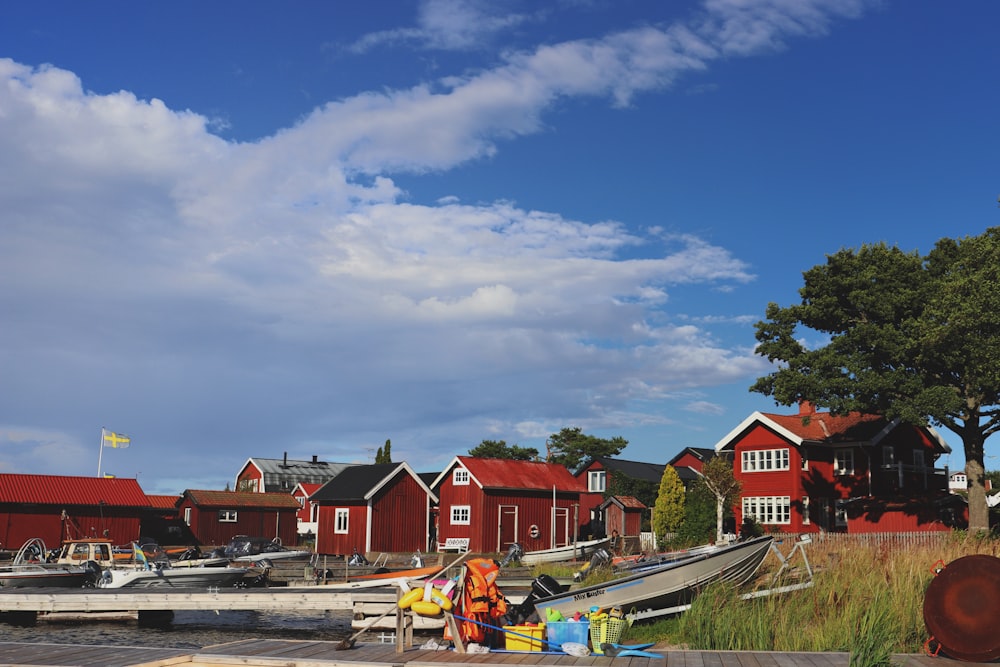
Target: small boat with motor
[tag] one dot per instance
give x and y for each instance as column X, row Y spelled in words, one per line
column 574, row 551
column 154, row 574
column 30, row 567
column 256, row 549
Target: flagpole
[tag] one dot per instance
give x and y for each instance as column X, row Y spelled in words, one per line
column 100, row 454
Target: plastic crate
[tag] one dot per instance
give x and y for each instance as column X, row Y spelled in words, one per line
column 560, row 632
column 532, row 642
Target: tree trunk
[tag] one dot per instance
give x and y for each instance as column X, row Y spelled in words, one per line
column 719, row 507
column 975, row 471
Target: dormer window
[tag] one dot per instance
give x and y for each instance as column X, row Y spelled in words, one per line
column 460, row 477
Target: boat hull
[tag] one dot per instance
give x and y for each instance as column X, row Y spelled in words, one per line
column 189, row 577
column 660, row 589
column 43, row 578
column 577, row 551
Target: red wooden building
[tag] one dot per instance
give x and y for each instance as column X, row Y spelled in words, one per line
column 383, row 507
column 689, row 462
column 598, row 474
column 495, row 502
column 260, row 475
column 623, row 514
column 814, row 471
column 308, row 515
column 55, row 507
column 215, row 517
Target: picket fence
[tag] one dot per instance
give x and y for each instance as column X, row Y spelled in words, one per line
column 647, row 540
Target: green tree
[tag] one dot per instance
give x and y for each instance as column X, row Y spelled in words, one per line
column 384, row 454
column 717, row 474
column 571, row 446
column 908, row 337
column 699, row 516
column 668, row 512
column 499, row 449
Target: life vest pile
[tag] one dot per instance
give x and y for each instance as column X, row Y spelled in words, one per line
column 481, row 600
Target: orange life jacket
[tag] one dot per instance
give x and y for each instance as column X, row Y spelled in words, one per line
column 481, row 599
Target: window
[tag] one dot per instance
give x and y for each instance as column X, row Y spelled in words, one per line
column 460, row 515
column 918, row 458
column 340, row 520
column 460, row 477
column 759, row 460
column 805, row 460
column 888, row 455
column 843, row 462
column 597, row 481
column 805, row 510
column 227, row 516
column 840, row 513
column 768, row 509
column 187, row 515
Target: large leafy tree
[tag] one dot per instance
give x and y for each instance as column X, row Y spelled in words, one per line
column 571, row 446
column 668, row 512
column 499, row 449
column 909, row 337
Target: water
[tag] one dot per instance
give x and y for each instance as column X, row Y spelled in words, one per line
column 191, row 629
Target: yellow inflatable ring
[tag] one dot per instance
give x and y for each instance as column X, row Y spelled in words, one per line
column 410, row 597
column 441, row 600
column 426, row 608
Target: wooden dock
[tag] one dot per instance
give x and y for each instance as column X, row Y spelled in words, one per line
column 290, row 653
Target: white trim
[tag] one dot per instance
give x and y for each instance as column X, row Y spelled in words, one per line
column 745, row 425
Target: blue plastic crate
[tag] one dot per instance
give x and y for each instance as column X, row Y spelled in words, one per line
column 560, row 632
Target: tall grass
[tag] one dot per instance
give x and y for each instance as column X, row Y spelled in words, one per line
column 865, row 600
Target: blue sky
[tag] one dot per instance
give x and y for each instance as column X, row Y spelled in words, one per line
column 237, row 229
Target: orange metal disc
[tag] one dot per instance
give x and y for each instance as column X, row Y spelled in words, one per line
column 962, row 608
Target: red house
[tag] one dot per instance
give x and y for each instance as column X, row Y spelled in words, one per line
column 259, row 475
column 599, row 474
column 216, row 517
column 308, row 514
column 623, row 514
column 383, row 507
column 493, row 503
column 814, row 471
column 54, row 508
column 689, row 463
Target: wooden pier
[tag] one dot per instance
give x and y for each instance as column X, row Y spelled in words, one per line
column 290, row 653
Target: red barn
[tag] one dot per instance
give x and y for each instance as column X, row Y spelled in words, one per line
column 216, row 517
column 55, row 508
column 495, row 502
column 382, row 507
column 804, row 472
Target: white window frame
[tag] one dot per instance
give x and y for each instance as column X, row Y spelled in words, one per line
column 764, row 460
column 805, row 460
column 228, row 516
column 843, row 462
column 805, row 511
column 460, row 477
column 597, row 481
column 341, row 520
column 840, row 513
column 461, row 515
column 768, row 510
column 187, row 515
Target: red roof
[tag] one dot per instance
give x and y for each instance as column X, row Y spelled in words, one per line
column 523, row 475
column 61, row 490
column 309, row 488
column 163, row 502
column 825, row 427
column 234, row 499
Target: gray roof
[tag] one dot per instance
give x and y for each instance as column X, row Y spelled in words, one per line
column 285, row 474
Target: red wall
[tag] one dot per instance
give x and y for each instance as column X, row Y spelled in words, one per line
column 255, row 522
column 17, row 526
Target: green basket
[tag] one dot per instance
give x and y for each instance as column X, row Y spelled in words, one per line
column 606, row 630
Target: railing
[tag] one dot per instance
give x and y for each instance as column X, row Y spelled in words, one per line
column 916, row 538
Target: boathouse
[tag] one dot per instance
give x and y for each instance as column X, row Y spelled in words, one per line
column 488, row 504
column 259, row 475
column 216, row 517
column 56, row 507
column 376, row 508
column 856, row 473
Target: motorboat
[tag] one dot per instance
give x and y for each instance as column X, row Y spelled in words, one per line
column 30, row 568
column 574, row 551
column 257, row 549
column 145, row 573
column 662, row 589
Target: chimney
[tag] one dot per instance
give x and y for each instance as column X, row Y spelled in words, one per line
column 284, row 461
column 315, row 458
column 806, row 408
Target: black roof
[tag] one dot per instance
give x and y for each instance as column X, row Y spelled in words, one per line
column 354, row 483
column 651, row 472
column 702, row 453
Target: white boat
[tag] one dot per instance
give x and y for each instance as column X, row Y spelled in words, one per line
column 29, row 568
column 158, row 574
column 664, row 589
column 575, row 551
column 257, row 549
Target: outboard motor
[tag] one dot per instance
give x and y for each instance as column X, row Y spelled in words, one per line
column 542, row 587
column 93, row 574
column 417, row 560
column 514, row 554
column 599, row 558
column 191, row 553
column 357, row 559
